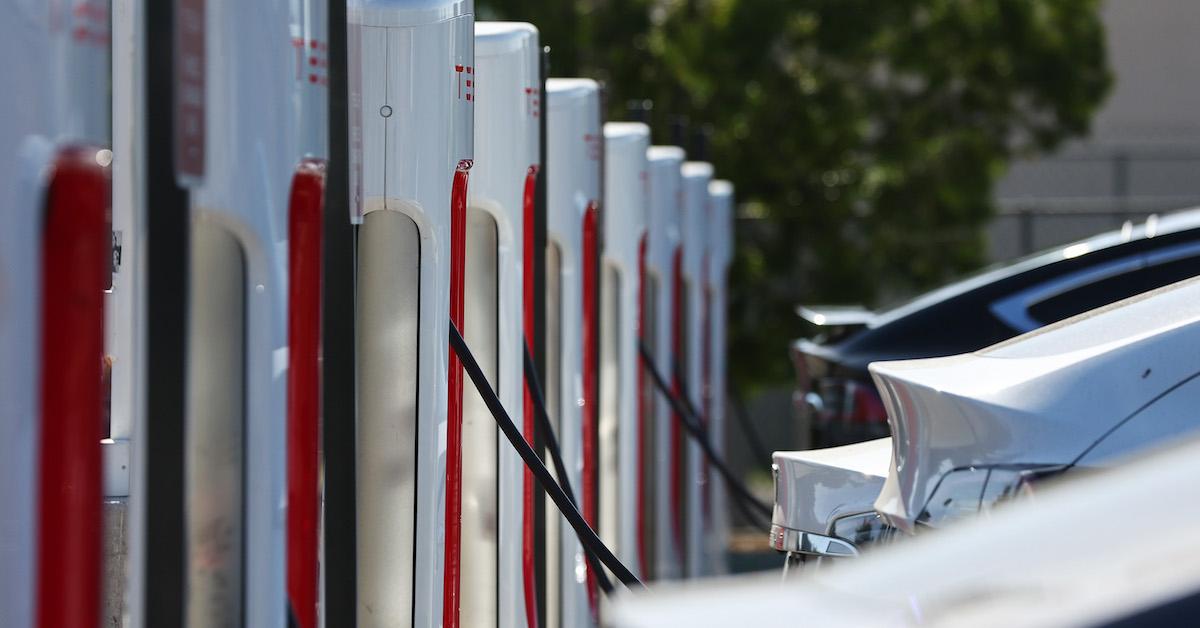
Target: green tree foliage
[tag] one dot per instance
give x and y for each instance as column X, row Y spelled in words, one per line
column 864, row 136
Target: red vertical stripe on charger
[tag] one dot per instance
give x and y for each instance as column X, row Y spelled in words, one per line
column 590, row 333
column 641, row 410
column 676, row 391
column 706, row 389
column 454, row 408
column 528, row 564
column 305, row 215
column 76, row 250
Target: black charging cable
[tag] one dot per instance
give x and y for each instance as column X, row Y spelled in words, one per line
column 748, row 430
column 760, row 452
column 699, row 431
column 547, row 429
column 751, row 506
column 587, row 536
column 689, row 416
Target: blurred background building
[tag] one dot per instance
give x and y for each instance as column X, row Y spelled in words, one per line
column 1143, row 153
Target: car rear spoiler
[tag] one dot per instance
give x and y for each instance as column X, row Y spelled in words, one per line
column 842, row 316
column 973, row 410
column 812, row 488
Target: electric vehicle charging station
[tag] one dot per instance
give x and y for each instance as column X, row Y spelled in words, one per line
column 499, row 219
column 251, row 111
column 574, row 152
column 720, row 238
column 411, row 105
column 626, row 182
column 696, row 176
column 256, row 102
column 661, row 544
column 54, row 267
column 254, row 287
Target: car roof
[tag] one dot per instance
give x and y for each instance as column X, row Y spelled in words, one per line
column 1154, row 226
column 995, row 304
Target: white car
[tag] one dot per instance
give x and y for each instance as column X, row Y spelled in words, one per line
column 975, row 429
column 1115, row 548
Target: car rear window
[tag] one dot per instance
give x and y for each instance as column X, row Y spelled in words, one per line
column 1113, row 289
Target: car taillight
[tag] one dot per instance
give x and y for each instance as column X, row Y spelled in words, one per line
column 846, row 401
column 803, row 378
column 866, row 406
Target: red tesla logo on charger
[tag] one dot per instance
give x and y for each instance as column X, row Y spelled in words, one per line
column 90, row 23
column 312, row 61
column 533, row 101
column 466, row 82
column 189, row 90
column 595, row 145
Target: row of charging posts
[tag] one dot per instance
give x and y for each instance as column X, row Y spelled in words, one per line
column 155, row 276
column 213, row 317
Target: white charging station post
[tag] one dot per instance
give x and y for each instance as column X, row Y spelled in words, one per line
column 720, row 256
column 626, row 192
column 696, row 176
column 54, row 267
column 260, row 109
column 411, row 105
column 262, row 222
column 663, row 556
column 500, row 202
column 574, row 150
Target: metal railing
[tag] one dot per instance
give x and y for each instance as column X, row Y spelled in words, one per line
column 1120, row 182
